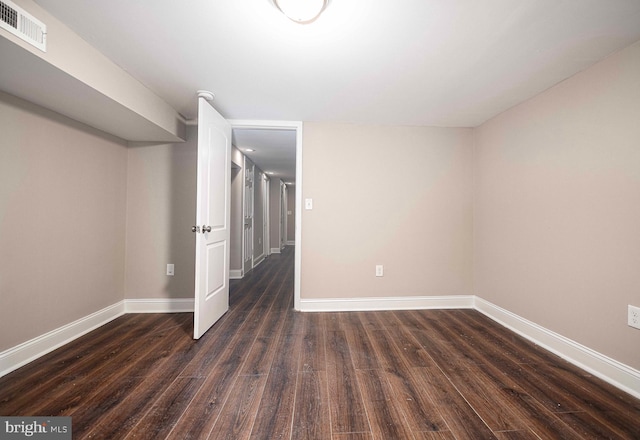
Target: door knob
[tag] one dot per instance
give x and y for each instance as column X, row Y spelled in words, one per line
column 206, row 229
column 195, row 228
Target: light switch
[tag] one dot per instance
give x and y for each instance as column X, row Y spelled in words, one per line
column 170, row 270
column 308, row 203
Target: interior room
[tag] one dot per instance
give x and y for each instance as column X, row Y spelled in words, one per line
column 393, row 164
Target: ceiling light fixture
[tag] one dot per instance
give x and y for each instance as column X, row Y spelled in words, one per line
column 302, row 11
column 249, row 150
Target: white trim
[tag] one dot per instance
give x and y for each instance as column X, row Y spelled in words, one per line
column 22, row 354
column 290, row 243
column 159, row 305
column 386, row 303
column 297, row 270
column 284, row 204
column 236, row 274
column 258, row 260
column 266, row 235
column 247, row 260
column 275, row 250
column 607, row 369
column 616, row 373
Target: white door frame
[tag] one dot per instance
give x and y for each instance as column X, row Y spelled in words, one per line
column 266, row 233
column 283, row 215
column 248, row 207
column 297, row 126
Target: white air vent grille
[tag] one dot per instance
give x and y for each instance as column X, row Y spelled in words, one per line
column 23, row 25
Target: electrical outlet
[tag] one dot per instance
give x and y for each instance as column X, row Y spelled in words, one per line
column 634, row 317
column 170, row 270
column 379, row 270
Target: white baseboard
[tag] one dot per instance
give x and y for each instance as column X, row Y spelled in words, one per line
column 616, row 373
column 235, row 274
column 22, row 354
column 275, row 250
column 159, row 305
column 610, row 370
column 258, row 260
column 395, row 303
column 28, row 351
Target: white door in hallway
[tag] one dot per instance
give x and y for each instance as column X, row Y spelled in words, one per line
column 265, row 221
column 212, row 218
column 249, row 172
column 283, row 215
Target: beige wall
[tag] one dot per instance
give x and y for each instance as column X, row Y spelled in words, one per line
column 161, row 209
column 397, row 196
column 62, row 220
column 557, row 207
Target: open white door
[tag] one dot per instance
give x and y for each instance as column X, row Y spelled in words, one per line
column 212, row 218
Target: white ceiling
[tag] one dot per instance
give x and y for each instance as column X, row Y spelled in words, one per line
column 402, row 62
column 275, row 150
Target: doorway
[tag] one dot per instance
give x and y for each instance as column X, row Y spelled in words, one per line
column 290, row 128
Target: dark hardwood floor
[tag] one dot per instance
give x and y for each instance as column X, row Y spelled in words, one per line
column 267, row 372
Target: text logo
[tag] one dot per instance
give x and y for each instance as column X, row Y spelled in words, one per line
column 40, row 428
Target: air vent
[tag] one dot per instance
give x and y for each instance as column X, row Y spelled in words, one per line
column 17, row 21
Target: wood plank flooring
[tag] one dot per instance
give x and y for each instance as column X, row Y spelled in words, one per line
column 267, row 372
